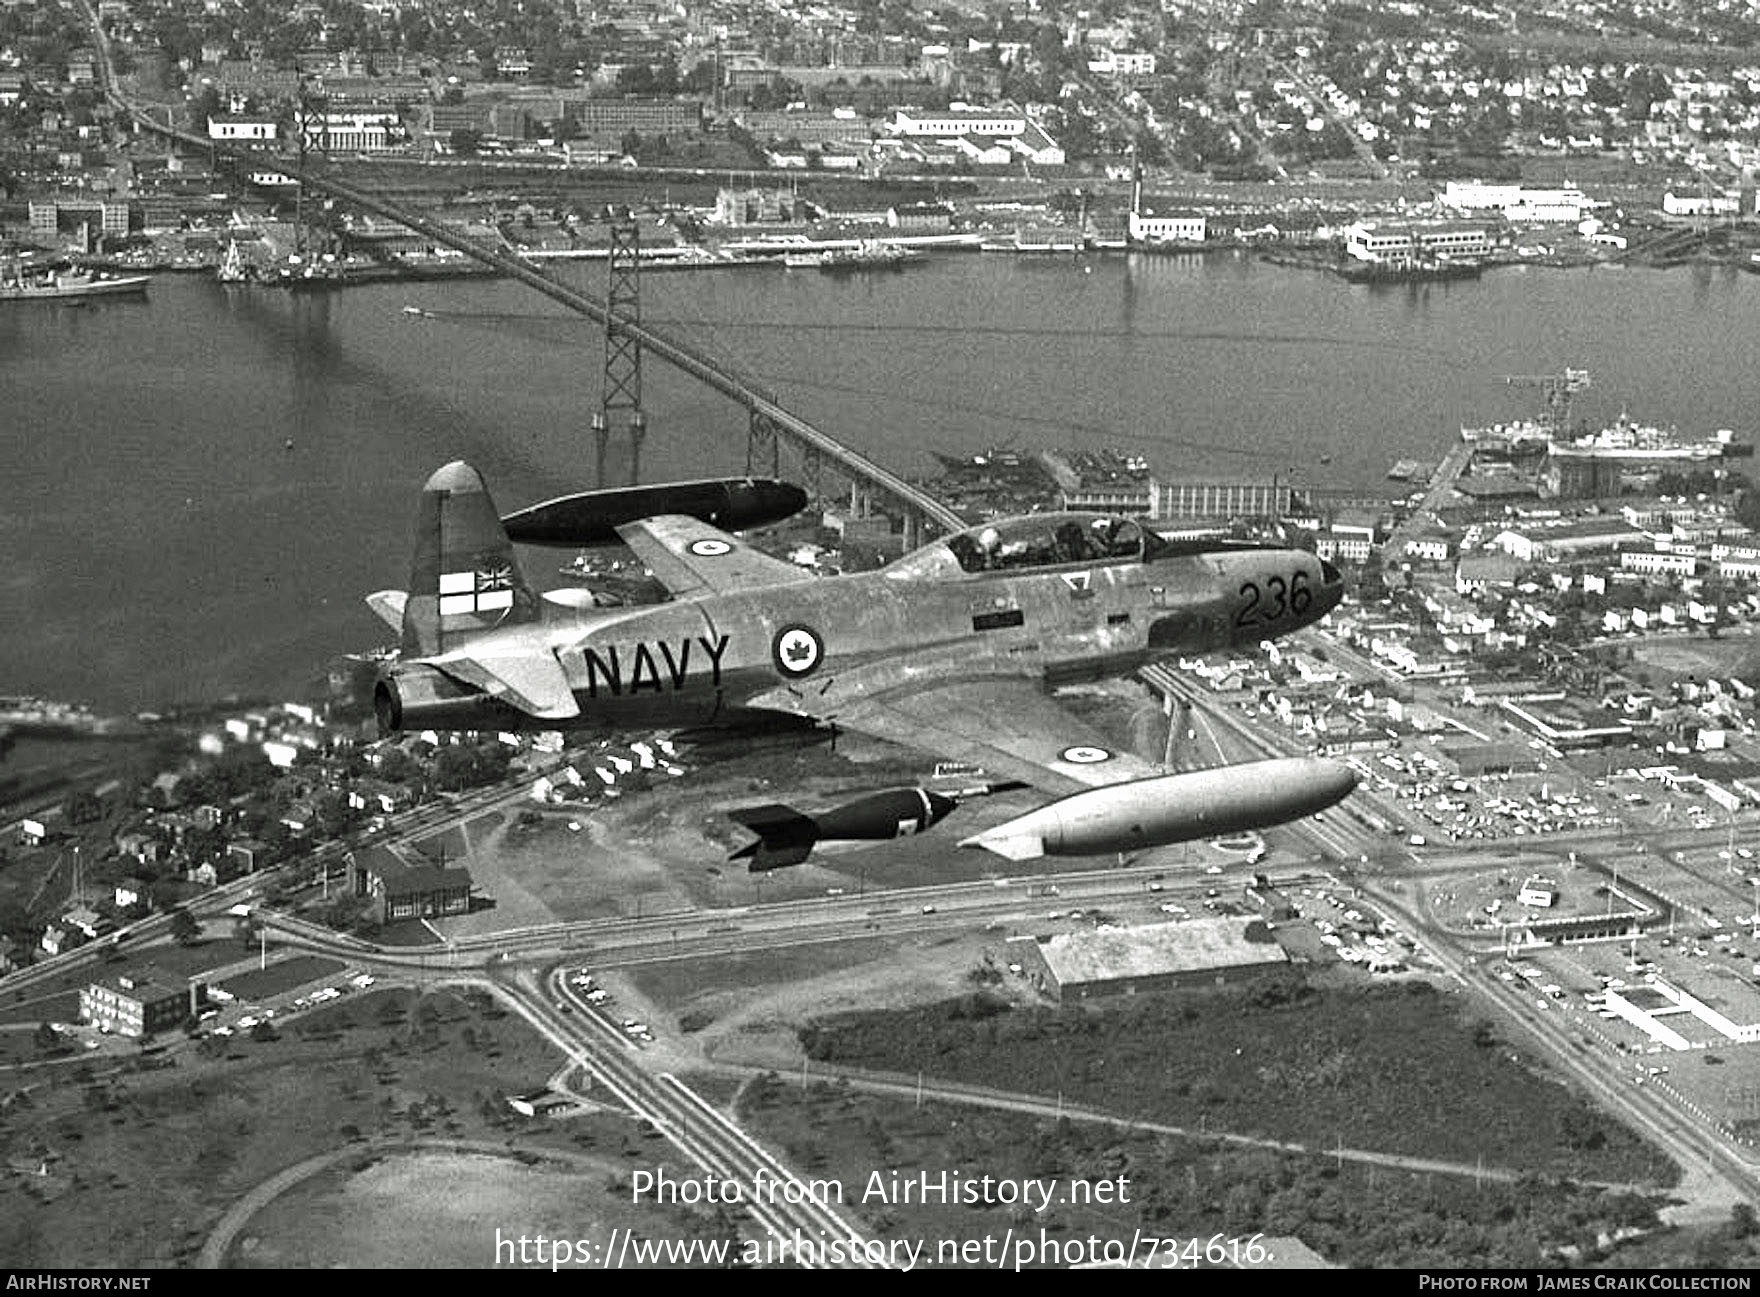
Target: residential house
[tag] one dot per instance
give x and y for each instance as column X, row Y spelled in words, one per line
column 141, row 845
column 1477, row 573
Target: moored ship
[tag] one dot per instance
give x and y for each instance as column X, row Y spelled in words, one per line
column 19, row 285
column 867, row 255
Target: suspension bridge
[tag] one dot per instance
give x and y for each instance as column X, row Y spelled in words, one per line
column 770, row 425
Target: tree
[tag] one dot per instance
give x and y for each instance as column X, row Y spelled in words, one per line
column 1742, row 1222
column 465, row 142
column 185, row 930
column 203, row 106
column 397, row 766
column 82, row 807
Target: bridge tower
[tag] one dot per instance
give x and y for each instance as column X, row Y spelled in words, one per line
column 312, row 137
column 623, row 353
column 762, row 444
column 915, row 531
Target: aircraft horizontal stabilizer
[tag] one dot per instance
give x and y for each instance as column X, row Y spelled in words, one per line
column 387, row 605
column 531, row 680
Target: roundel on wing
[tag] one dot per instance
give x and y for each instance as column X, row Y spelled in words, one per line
column 709, row 547
column 1084, row 754
column 797, row 651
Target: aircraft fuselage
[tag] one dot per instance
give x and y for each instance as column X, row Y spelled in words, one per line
column 699, row 661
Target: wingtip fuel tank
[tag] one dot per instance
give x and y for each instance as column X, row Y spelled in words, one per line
column 1162, row 809
column 593, row 517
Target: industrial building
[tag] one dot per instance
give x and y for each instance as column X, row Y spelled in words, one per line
column 1129, row 961
column 1186, row 499
column 1171, row 227
column 1645, row 1006
column 616, row 116
column 1566, row 722
column 47, row 217
column 1369, row 241
column 1517, row 204
column 141, row 1003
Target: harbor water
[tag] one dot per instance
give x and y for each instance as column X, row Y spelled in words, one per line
column 201, row 485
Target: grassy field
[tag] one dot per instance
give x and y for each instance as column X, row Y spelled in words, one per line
column 141, row 1161
column 261, row 984
column 682, row 981
column 1669, row 659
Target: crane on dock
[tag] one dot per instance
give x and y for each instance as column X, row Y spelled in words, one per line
column 1559, row 389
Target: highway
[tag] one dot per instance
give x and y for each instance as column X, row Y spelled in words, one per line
column 776, row 925
column 774, row 1196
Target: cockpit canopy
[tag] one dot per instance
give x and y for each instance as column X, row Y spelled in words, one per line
column 1042, row 540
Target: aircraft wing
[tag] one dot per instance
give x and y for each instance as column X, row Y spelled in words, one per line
column 1006, row 724
column 691, row 558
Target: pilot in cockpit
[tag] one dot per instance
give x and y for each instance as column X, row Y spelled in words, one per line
column 1070, row 543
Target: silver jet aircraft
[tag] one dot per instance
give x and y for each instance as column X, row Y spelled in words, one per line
column 952, row 649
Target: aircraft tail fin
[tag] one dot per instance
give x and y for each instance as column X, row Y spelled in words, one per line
column 785, row 836
column 464, row 577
